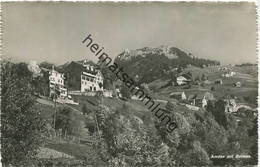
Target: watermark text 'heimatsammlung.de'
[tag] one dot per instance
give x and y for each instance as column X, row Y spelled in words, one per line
column 160, row 113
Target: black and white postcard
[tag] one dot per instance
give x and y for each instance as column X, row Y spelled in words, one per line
column 127, row 84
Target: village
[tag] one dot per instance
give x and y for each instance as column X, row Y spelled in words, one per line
column 92, row 81
column 79, row 109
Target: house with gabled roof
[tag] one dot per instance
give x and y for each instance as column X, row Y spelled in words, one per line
column 183, row 79
column 200, row 99
column 178, row 95
column 91, row 79
column 57, row 83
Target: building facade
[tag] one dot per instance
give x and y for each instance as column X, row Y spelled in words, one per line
column 91, row 79
column 57, row 83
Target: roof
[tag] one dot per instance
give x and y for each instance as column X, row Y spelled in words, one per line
column 44, row 69
column 91, row 72
column 181, row 77
column 206, row 95
column 199, row 96
column 191, row 96
column 187, row 76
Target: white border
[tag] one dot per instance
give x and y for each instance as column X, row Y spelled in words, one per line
column 257, row 2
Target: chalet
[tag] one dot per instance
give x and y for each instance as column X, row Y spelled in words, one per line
column 178, row 95
column 231, row 105
column 118, row 93
column 218, row 81
column 91, row 79
column 56, row 80
column 224, row 68
column 108, row 93
column 237, row 84
column 229, row 74
column 200, row 100
column 183, row 79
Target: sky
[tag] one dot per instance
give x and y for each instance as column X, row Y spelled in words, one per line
column 53, row 31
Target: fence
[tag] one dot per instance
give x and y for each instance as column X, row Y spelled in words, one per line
column 106, row 93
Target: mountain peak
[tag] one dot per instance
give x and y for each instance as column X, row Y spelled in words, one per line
column 154, row 63
column 170, row 52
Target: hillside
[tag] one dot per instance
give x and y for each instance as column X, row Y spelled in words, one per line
column 245, row 75
column 145, row 65
column 93, row 131
column 148, row 64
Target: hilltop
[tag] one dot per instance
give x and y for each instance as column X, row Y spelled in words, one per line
column 246, row 75
column 148, row 64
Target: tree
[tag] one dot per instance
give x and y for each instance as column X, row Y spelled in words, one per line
column 85, row 110
column 212, row 88
column 197, row 78
column 46, row 64
column 64, row 120
column 126, row 145
column 125, row 92
column 68, row 121
column 41, row 84
column 21, row 122
column 218, row 111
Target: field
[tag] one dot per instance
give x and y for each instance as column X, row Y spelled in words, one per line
column 247, row 76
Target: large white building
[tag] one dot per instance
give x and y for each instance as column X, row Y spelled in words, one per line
column 91, row 79
column 57, row 80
